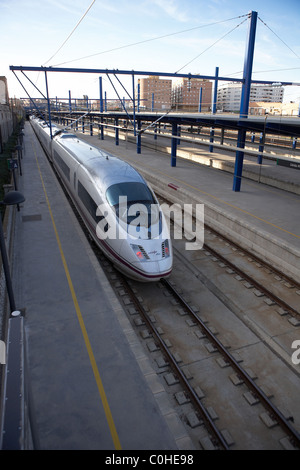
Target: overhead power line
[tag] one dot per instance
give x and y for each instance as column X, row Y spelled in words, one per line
column 148, row 40
column 265, row 24
column 86, row 12
column 220, row 39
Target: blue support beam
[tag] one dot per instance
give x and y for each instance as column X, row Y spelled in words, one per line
column 101, row 108
column 138, row 97
column 100, row 95
column 214, row 109
column 134, row 105
column 70, row 102
column 247, row 74
column 139, row 137
column 48, row 102
column 200, row 100
column 174, row 144
column 117, row 131
column 138, row 72
column 240, row 125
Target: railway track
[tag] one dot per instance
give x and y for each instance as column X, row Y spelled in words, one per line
column 215, row 437
column 255, row 279
column 251, row 271
column 242, row 373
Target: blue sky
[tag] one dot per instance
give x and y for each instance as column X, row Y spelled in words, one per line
column 209, row 34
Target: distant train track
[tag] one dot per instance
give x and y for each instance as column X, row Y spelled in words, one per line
column 217, row 438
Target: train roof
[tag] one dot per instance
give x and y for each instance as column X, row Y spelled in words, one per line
column 103, row 167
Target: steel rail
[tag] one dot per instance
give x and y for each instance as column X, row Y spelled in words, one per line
column 255, row 283
column 245, row 276
column 241, row 372
column 204, row 414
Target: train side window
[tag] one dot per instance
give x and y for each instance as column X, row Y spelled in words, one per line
column 63, row 166
column 88, row 202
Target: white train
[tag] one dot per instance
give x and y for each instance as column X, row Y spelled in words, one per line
column 117, row 206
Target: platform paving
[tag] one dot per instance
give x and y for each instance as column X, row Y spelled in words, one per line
column 93, row 388
column 92, row 385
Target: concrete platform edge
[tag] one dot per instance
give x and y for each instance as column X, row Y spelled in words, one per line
column 216, row 163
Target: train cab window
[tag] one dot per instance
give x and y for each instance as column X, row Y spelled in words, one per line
column 136, row 193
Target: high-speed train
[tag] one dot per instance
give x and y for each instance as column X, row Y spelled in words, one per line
column 116, row 204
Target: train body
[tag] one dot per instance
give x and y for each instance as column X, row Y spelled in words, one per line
column 116, row 204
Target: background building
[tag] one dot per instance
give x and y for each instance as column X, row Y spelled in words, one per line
column 155, row 93
column 6, row 115
column 3, row 91
column 186, row 94
column 261, row 108
column 11, row 111
column 229, row 96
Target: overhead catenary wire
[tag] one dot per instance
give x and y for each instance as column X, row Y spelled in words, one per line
column 280, row 39
column 73, row 30
column 272, row 70
column 220, row 39
column 149, row 40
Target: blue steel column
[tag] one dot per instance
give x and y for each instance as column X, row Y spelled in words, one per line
column 48, row 102
column 214, row 103
column 173, row 144
column 117, row 131
column 261, row 148
column 133, row 103
column 245, row 100
column 101, row 108
column 139, row 137
column 214, row 109
column 70, row 102
column 200, row 100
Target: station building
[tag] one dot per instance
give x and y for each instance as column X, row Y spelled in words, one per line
column 155, row 93
column 229, row 95
column 186, row 94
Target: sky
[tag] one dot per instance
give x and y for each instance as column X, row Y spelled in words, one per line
column 190, row 36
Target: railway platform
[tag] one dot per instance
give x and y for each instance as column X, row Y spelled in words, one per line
column 263, row 217
column 92, row 386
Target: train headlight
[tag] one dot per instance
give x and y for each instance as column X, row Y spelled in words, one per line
column 140, row 252
column 165, row 249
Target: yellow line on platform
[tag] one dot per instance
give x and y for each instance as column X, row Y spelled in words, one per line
column 101, row 390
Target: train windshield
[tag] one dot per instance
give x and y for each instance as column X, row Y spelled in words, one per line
column 133, row 203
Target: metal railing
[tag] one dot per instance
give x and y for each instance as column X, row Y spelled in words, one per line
column 17, row 420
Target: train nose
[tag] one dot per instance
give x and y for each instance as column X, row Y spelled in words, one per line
column 153, row 260
column 147, row 260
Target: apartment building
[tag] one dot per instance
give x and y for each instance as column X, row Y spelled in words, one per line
column 186, row 94
column 229, row 95
column 3, row 91
column 155, row 93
